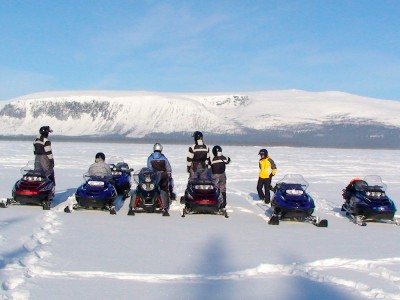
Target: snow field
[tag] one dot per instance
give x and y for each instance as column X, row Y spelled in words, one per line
column 91, row 254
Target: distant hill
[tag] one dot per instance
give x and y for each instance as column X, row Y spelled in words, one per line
column 286, row 117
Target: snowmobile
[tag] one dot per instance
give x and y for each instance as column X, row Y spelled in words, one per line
column 147, row 195
column 202, row 195
column 95, row 193
column 291, row 201
column 121, row 174
column 35, row 187
column 366, row 200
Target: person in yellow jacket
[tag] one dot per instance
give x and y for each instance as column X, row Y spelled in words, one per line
column 267, row 170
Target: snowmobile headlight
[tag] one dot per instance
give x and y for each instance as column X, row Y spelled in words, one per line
column 95, row 183
column 147, row 187
column 33, row 178
column 375, row 194
column 203, row 187
column 114, row 173
column 294, row 192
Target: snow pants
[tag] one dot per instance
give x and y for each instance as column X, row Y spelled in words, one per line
column 263, row 188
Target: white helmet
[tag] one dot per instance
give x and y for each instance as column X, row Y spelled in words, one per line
column 157, row 147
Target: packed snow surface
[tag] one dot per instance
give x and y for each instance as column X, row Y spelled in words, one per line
column 95, row 255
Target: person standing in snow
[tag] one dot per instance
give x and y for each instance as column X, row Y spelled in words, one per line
column 267, row 171
column 159, row 162
column 218, row 165
column 198, row 156
column 99, row 168
column 44, row 160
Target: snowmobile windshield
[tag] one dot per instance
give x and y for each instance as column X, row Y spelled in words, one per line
column 114, row 160
column 293, row 180
column 146, row 175
column 203, row 176
column 30, row 166
column 375, row 183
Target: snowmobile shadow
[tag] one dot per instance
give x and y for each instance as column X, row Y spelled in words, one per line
column 338, row 210
column 61, row 197
column 254, row 196
column 268, row 212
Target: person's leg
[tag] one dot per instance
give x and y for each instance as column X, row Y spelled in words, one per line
column 260, row 192
column 267, row 186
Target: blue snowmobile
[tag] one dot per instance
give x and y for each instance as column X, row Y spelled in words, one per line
column 366, row 200
column 95, row 193
column 121, row 174
column 291, row 201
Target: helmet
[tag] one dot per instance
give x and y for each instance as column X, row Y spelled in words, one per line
column 100, row 155
column 197, row 135
column 45, row 130
column 216, row 149
column 157, row 147
column 263, row 152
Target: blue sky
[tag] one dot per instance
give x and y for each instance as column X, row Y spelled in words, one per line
column 200, row 46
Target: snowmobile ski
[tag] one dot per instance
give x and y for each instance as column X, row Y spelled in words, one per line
column 275, row 217
column 359, row 220
column 317, row 221
column 6, row 202
column 223, row 212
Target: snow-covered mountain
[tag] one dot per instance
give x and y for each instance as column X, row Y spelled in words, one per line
column 285, row 117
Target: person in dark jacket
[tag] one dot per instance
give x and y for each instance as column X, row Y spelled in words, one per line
column 159, row 162
column 198, row 155
column 218, row 165
column 44, row 160
column 267, row 170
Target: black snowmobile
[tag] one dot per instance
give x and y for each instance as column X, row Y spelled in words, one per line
column 35, row 188
column 366, row 200
column 291, row 201
column 202, row 195
column 147, row 195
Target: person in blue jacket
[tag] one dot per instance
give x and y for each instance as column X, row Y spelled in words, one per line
column 159, row 162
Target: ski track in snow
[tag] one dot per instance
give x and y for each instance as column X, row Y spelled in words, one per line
column 33, row 250
column 27, row 265
column 312, row 271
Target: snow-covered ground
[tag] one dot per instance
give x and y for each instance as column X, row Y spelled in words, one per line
column 95, row 255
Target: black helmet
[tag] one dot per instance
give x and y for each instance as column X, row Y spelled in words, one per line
column 216, row 149
column 197, row 135
column 100, row 155
column 45, row 130
column 157, row 147
column 263, row 152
